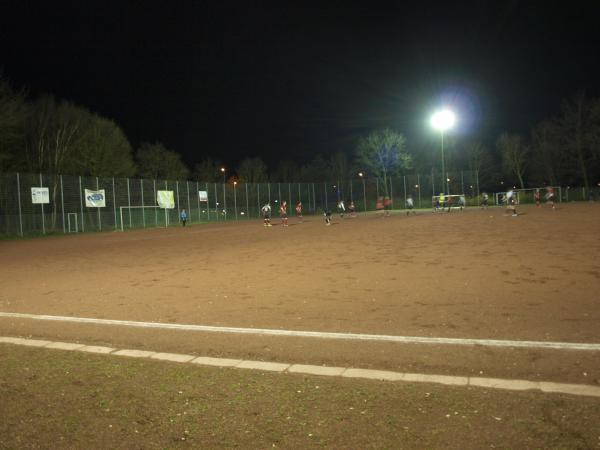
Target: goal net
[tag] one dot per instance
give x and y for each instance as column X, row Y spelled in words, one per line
column 527, row 196
column 142, row 216
column 448, row 202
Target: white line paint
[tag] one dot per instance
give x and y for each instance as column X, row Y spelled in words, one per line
column 314, row 334
column 350, row 372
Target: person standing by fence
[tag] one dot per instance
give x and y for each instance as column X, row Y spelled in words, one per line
column 299, row 211
column 183, row 216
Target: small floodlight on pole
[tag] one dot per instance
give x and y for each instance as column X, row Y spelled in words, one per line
column 362, row 177
column 222, row 169
column 443, row 120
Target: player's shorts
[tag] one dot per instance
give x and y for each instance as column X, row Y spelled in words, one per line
column 283, row 216
column 266, row 216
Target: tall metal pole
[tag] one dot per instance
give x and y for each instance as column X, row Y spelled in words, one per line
column 143, row 211
column 19, row 199
column 115, row 201
column 445, row 180
column 224, row 197
column 128, row 202
column 419, row 189
column 42, row 205
column 62, row 203
column 81, row 205
column 235, row 200
column 99, row 216
column 365, row 194
column 247, row 204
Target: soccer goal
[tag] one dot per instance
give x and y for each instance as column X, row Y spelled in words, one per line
column 140, row 216
column 442, row 202
column 523, row 196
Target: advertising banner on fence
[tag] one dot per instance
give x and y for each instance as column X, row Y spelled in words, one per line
column 40, row 195
column 203, row 196
column 165, row 199
column 95, row 199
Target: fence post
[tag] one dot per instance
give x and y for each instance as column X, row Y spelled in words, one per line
column 216, row 203
column 247, row 204
column 143, row 210
column 258, row 195
column 391, row 192
column 364, row 193
column 269, row 188
column 81, row 205
column 207, row 204
column 462, row 181
column 235, row 199
column 114, row 202
column 279, row 192
column 128, row 203
column 314, row 198
column 224, row 202
column 156, row 203
column 42, row 205
column 198, row 198
column 351, row 197
column 404, row 190
column 377, row 186
column 432, row 183
column 99, row 215
column 326, row 201
column 19, row 200
column 187, row 186
column 178, row 208
column 290, row 196
column 166, row 213
column 419, row 188
column 62, row 203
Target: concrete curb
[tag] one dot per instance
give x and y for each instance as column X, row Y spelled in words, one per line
column 350, row 372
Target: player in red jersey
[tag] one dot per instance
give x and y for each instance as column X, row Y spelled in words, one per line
column 283, row 213
column 299, row 211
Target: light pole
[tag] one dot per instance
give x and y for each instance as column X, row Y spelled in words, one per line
column 235, row 200
column 442, row 121
column 362, row 177
column 224, row 200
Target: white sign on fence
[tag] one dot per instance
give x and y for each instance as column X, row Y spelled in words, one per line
column 203, row 196
column 165, row 199
column 95, row 199
column 40, row 195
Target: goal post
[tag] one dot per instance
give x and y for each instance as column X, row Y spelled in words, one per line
column 132, row 209
column 454, row 201
column 524, row 196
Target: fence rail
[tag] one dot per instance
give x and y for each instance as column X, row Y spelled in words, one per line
column 132, row 203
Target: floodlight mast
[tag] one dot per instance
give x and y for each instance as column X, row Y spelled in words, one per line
column 443, row 120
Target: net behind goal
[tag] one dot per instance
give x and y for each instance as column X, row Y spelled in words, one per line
column 142, row 216
column 441, row 202
column 527, row 196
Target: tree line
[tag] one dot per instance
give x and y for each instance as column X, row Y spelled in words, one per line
column 49, row 135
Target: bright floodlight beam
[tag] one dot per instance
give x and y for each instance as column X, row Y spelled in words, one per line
column 443, row 120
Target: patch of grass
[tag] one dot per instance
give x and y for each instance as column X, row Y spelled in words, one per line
column 56, row 399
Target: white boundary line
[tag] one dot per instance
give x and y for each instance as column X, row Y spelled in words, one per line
column 344, row 372
column 314, row 334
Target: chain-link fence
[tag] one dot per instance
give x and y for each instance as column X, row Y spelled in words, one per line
column 39, row 203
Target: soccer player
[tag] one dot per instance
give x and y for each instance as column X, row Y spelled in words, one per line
column 341, row 208
column 379, row 204
column 283, row 213
column 352, row 209
column 183, row 216
column 387, row 206
column 484, row 200
column 550, row 196
column 410, row 204
column 299, row 211
column 536, row 197
column 327, row 215
column 266, row 213
column 511, row 203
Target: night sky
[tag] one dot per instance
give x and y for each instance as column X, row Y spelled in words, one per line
column 230, row 80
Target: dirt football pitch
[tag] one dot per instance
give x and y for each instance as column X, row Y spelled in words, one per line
column 476, row 274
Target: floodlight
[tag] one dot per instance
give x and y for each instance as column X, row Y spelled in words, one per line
column 443, row 120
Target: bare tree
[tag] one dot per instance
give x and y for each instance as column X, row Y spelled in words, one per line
column 383, row 152
column 12, row 116
column 514, row 155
